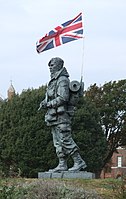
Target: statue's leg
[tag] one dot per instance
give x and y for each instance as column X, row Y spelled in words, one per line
column 62, row 166
column 79, row 163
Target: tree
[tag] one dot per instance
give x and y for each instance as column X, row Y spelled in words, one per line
column 24, row 135
column 89, row 135
column 110, row 101
column 26, row 141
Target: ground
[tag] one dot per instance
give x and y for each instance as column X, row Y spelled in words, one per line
column 22, row 188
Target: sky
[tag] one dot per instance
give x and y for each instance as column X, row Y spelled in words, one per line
column 102, row 53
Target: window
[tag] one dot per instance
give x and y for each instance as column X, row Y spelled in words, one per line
column 119, row 161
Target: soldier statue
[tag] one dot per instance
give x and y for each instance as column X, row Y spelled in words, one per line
column 58, row 116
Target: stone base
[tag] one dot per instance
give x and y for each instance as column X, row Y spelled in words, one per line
column 66, row 174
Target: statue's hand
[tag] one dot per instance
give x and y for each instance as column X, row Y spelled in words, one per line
column 43, row 104
column 49, row 104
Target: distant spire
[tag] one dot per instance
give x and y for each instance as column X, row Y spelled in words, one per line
column 1, row 98
column 11, row 91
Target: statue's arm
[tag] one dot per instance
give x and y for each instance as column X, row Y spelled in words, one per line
column 43, row 103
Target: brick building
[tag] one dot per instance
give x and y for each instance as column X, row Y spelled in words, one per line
column 116, row 168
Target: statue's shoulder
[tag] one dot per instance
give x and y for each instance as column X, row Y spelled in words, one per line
column 63, row 75
column 63, row 80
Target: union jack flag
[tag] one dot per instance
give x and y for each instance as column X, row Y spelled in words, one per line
column 67, row 32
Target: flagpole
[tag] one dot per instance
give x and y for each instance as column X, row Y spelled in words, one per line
column 82, row 66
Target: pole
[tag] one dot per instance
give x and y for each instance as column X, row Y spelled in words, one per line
column 82, row 67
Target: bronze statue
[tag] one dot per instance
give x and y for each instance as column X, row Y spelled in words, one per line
column 59, row 113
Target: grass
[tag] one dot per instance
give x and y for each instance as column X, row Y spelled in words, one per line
column 21, row 188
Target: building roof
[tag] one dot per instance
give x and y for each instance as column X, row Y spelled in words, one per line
column 11, row 89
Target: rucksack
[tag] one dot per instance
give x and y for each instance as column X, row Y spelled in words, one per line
column 76, row 91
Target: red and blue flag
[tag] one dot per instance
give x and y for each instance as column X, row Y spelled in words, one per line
column 69, row 31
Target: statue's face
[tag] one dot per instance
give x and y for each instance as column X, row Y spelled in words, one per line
column 55, row 65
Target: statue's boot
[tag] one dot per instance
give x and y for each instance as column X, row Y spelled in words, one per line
column 79, row 163
column 62, row 166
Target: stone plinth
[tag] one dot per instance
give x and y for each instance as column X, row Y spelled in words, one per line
column 66, row 174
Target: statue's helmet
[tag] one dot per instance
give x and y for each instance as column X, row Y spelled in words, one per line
column 55, row 64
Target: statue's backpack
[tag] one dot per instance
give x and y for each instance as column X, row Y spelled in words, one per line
column 76, row 91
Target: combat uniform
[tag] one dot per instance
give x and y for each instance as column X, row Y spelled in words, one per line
column 58, row 116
